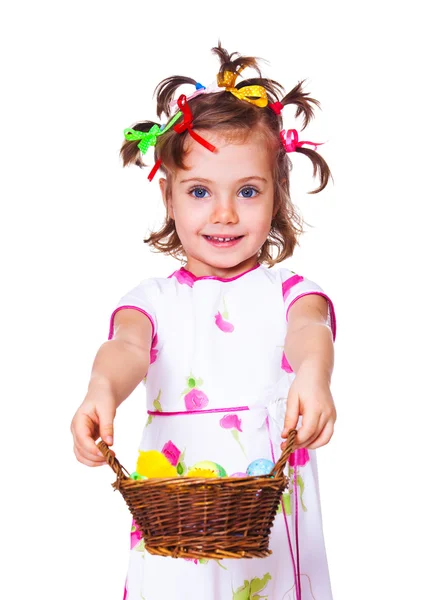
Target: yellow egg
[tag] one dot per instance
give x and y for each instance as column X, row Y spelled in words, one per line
column 198, row 472
column 152, row 463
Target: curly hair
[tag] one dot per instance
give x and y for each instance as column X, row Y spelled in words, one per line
column 235, row 120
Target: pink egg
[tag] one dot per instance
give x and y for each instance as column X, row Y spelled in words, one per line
column 238, row 474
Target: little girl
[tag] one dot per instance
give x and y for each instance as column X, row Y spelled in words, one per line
column 233, row 354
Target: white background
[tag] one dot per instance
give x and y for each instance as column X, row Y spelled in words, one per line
column 74, row 75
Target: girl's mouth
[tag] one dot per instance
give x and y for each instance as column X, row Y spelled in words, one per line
column 223, row 242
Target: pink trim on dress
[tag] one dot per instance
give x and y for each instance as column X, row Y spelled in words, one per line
column 289, row 283
column 158, row 413
column 185, row 276
column 331, row 309
column 135, row 308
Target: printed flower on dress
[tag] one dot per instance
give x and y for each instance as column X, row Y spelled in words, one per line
column 171, row 452
column 221, row 320
column 250, row 589
column 299, row 457
column 234, row 424
column 194, row 399
column 183, row 276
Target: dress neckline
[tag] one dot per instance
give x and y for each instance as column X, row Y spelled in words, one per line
column 213, row 277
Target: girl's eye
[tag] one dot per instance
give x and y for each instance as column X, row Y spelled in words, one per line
column 199, row 192
column 249, row 192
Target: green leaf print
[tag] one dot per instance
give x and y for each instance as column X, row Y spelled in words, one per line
column 300, row 483
column 181, row 466
column 156, row 402
column 243, row 592
column 225, row 310
column 157, row 407
column 235, row 434
column 192, row 383
column 287, row 504
column 258, row 585
column 249, row 589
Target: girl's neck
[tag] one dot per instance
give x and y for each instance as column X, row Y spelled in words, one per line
column 200, row 269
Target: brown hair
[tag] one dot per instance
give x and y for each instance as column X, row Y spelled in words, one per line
column 235, row 119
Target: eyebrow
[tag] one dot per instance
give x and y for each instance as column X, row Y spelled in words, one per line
column 202, row 180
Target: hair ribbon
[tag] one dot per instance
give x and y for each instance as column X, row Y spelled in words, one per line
column 290, row 140
column 186, row 125
column 255, row 94
column 148, row 138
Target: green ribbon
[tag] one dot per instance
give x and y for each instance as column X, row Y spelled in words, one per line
column 148, row 138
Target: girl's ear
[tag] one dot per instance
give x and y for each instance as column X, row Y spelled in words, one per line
column 163, row 183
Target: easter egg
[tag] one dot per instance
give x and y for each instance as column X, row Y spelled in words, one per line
column 261, row 466
column 238, row 474
column 206, row 473
column 205, row 466
column 152, row 463
column 136, row 476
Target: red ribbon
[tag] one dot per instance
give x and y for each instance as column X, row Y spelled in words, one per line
column 187, row 123
column 290, row 140
column 276, row 107
column 154, row 169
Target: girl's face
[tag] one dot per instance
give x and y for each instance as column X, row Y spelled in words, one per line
column 226, row 194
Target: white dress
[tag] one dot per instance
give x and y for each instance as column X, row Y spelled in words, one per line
column 216, row 390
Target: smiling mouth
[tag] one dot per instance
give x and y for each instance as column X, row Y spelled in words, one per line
column 213, row 238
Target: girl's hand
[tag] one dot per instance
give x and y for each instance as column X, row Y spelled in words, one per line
column 310, row 396
column 93, row 419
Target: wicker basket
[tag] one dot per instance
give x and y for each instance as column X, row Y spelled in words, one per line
column 183, row 517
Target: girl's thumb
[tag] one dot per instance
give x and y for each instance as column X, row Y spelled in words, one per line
column 292, row 414
column 106, row 426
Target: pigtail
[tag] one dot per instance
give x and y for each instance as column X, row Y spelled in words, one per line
column 297, row 97
column 130, row 153
column 319, row 164
column 165, row 92
column 236, row 65
column 302, row 101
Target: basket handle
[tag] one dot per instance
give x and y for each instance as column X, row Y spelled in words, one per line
column 113, row 462
column 278, row 469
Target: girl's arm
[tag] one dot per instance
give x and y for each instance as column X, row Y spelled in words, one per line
column 119, row 366
column 122, row 362
column 310, row 351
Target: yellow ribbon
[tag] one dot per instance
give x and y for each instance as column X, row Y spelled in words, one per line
column 255, row 94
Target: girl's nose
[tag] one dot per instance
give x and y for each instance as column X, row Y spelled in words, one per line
column 224, row 212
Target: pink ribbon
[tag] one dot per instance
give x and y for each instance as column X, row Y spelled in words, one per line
column 290, row 140
column 210, row 89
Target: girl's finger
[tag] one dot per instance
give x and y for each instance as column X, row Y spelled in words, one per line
column 324, row 436
column 310, row 429
column 98, row 462
column 320, row 426
column 84, row 432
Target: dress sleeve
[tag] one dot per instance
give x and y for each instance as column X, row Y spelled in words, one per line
column 295, row 286
column 144, row 298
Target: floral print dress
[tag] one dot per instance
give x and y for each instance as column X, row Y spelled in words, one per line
column 216, row 390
